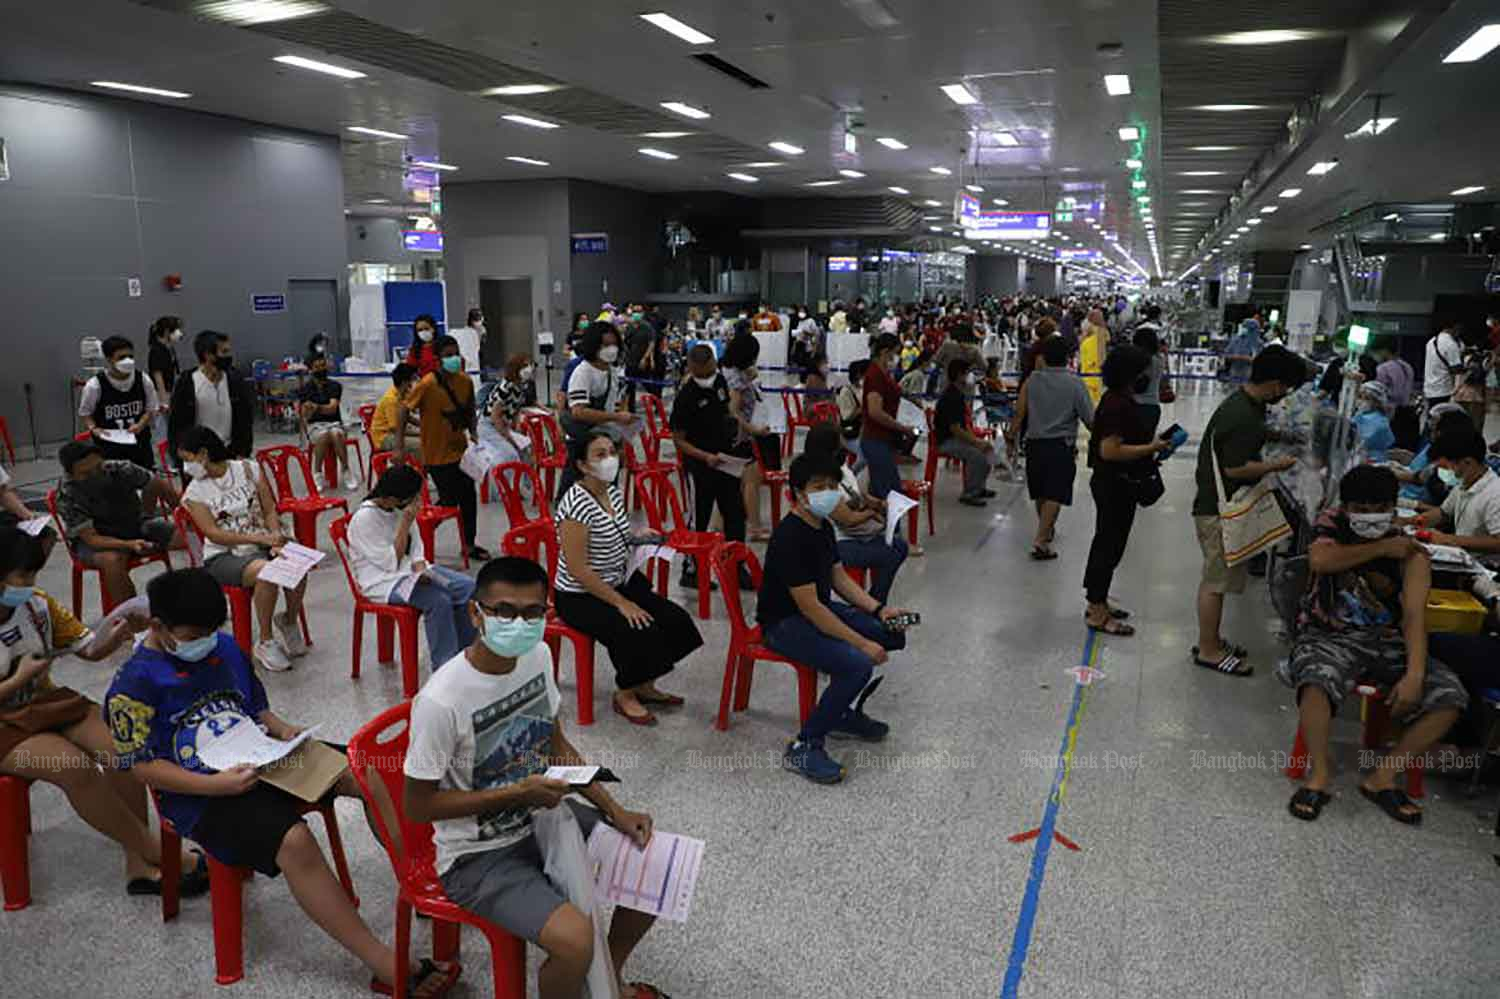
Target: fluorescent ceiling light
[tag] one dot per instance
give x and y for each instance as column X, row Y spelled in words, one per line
column 246, row 12
column 940, row 171
column 1199, row 190
column 1212, row 149
column 672, row 26
column 898, row 190
column 528, row 161
column 686, row 110
column 1290, row 192
column 934, row 228
column 960, row 94
column 930, row 203
column 763, row 164
column 744, row 178
column 1229, row 107
column 1270, row 210
column 1133, row 164
column 1478, row 45
column 823, row 183
column 1305, row 246
column 521, row 119
column 131, row 88
column 1254, row 221
column 1143, row 199
column 657, row 154
column 1372, row 127
column 851, row 174
column 1201, row 173
column 788, row 148
column 1116, row 84
column 1472, row 189
column 320, row 67
column 1139, row 185
column 377, row 132
column 666, row 135
column 1269, row 37
column 1438, row 235
column 891, row 143
column 1007, row 139
column 1129, row 133
column 1000, row 202
column 521, row 90
column 1321, row 167
column 974, row 187
column 433, row 165
column 1393, row 216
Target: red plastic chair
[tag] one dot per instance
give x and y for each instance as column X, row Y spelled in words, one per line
column 430, row 517
column 791, row 403
column 923, row 488
column 367, row 419
column 15, row 830
column 547, row 445
column 509, row 478
column 165, row 471
column 389, row 618
column 658, row 424
column 538, row 541
column 276, row 462
column 637, row 466
column 241, row 615
column 225, row 891
column 378, row 754
column 774, row 479
column 747, row 643
column 1377, row 716
column 331, row 461
column 10, row 449
column 824, row 411
column 107, row 602
column 655, row 495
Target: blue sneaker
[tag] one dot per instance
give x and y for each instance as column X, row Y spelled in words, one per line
column 858, row 725
column 811, row 761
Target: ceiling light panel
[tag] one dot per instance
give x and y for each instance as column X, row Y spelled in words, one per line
column 744, row 178
column 787, row 147
column 326, row 68
column 1478, row 45
column 672, row 26
column 521, row 90
column 686, row 110
column 529, row 122
column 1322, row 167
column 657, row 154
column 898, row 190
column 960, row 94
column 378, row 133
column 891, row 143
column 133, row 88
column 1116, row 84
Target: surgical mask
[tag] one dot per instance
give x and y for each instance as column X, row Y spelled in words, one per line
column 176, row 335
column 1450, row 478
column 197, row 650
column 707, row 383
column 15, row 596
column 424, row 334
column 320, row 349
column 479, row 327
column 514, row 637
column 583, row 324
column 1370, row 525
column 453, row 365
column 526, row 373
column 801, row 315
column 823, row 502
column 605, row 469
column 224, row 361
column 609, row 354
column 971, row 379
column 321, row 376
column 125, row 365
column 193, row 469
column 635, row 317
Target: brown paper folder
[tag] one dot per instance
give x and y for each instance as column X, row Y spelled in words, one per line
column 307, row 772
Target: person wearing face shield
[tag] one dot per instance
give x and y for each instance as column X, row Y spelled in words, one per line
column 1363, row 622
column 1236, row 432
column 120, row 398
column 1371, row 422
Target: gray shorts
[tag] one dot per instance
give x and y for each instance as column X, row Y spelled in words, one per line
column 157, row 530
column 316, row 430
column 228, row 569
column 507, row 886
column 1336, row 662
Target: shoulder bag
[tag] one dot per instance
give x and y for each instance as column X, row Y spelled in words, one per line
column 1251, row 521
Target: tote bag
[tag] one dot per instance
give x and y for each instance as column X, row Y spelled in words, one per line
column 1252, row 520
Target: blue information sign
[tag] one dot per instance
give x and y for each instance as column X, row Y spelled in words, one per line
column 260, row 304
column 591, row 242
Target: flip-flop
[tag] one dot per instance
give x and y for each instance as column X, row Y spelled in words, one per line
column 1228, row 646
column 1309, row 799
column 419, row 976
column 646, row 719
column 1040, row 554
column 1230, row 665
column 1111, row 627
column 1119, row 613
column 1391, row 800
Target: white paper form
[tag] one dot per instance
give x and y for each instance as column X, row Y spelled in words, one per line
column 641, row 554
column 572, row 775
column 116, row 436
column 659, row 880
column 245, row 743
column 288, row 569
column 897, row 505
column 36, row 525
column 730, row 465
column 911, row 416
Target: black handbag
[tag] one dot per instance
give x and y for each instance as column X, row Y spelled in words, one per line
column 1146, row 484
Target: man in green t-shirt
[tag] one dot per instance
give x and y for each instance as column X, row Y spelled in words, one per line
column 1237, row 432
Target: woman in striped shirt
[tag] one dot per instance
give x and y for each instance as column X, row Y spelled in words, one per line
column 646, row 634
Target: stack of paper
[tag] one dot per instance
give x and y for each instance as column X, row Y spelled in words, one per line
column 659, row 880
column 288, row 569
column 897, row 505
column 117, row 436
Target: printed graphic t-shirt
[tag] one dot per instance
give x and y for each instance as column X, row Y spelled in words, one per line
column 472, row 731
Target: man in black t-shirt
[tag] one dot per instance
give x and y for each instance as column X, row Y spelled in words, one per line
column 322, row 420
column 703, row 432
column 954, row 438
column 800, row 620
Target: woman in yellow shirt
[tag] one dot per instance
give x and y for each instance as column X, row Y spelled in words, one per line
column 1091, row 352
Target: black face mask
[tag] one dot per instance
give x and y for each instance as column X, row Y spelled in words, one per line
column 321, row 376
column 224, row 362
column 1141, row 384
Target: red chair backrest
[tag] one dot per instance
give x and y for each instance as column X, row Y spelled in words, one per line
column 277, row 463
column 546, row 437
column 536, row 541
column 728, row 558
column 383, row 461
column 657, row 423
column 339, row 532
column 377, row 758
column 62, row 531
column 367, row 416
column 825, row 412
column 192, row 537
column 791, row 401
column 760, row 459
column 508, row 478
column 651, row 485
column 929, row 470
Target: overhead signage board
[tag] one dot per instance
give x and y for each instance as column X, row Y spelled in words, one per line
column 842, row 265
column 265, row 304
column 1000, row 224
column 590, row 242
column 422, row 240
column 1069, row 254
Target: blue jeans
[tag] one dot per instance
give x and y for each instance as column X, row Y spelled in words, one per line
column 848, row 668
column 880, row 558
column 881, row 460
column 443, row 598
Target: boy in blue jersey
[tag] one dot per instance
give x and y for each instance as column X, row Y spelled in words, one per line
column 189, row 683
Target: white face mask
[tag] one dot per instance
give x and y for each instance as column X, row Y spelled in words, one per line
column 801, row 315
column 193, row 469
column 526, row 373
column 609, row 354
column 707, row 383
column 1371, row 525
column 424, row 334
column 605, row 469
column 176, row 335
column 971, row 379
column 125, row 366
column 479, row 327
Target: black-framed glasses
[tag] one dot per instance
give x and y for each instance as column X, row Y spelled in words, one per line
column 509, row 612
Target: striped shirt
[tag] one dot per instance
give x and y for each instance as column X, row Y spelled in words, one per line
column 608, row 530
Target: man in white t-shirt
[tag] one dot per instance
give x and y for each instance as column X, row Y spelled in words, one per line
column 1445, row 360
column 484, row 730
column 1470, row 517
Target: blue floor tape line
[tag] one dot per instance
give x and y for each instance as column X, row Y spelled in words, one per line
column 1019, row 944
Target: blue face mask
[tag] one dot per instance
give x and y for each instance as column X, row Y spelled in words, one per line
column 823, row 502
column 197, row 650
column 453, row 365
column 512, row 638
column 15, row 596
column 1449, row 476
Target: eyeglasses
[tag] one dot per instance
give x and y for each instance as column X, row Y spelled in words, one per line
column 509, row 612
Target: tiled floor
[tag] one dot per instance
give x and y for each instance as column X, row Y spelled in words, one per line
column 1192, row 880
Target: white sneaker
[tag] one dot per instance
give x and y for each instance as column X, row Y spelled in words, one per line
column 289, row 632
column 351, row 479
column 269, row 655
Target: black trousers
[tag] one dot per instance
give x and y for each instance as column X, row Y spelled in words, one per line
column 710, row 487
column 1114, row 513
column 457, row 489
column 640, row 655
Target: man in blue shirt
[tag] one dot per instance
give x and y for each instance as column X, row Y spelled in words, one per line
column 189, row 684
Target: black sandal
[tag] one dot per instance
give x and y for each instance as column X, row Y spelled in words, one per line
column 1041, row 553
column 1119, row 613
column 1307, row 804
column 1238, row 650
column 190, row 884
column 1391, row 800
column 1111, row 626
column 1230, row 664
column 419, row 976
